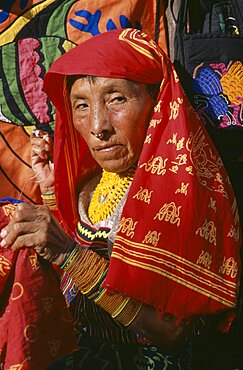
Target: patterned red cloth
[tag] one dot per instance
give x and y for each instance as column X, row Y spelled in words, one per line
column 36, row 327
column 177, row 247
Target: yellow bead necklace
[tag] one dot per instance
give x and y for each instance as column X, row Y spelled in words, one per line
column 108, row 194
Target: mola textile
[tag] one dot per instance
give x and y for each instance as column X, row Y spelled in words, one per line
column 36, row 327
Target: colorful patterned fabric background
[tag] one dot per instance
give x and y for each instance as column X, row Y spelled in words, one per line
column 33, row 33
column 218, row 93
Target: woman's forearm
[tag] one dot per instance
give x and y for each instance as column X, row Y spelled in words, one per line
column 88, row 271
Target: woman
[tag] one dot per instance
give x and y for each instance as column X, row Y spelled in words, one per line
column 141, row 265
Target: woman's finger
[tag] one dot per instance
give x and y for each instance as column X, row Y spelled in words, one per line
column 29, row 212
column 37, row 133
column 35, row 227
column 41, row 144
column 27, row 219
column 34, row 235
column 41, row 148
column 23, row 241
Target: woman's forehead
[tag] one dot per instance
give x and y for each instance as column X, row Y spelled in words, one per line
column 105, row 83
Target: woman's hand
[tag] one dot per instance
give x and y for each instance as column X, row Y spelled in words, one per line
column 163, row 332
column 42, row 160
column 35, row 227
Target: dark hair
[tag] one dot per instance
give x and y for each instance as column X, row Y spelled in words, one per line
column 153, row 89
column 72, row 78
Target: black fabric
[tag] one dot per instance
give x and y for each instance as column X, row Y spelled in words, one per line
column 96, row 354
column 208, row 58
column 208, row 52
column 157, row 20
column 199, row 38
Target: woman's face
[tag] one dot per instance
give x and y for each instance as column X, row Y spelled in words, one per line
column 118, row 109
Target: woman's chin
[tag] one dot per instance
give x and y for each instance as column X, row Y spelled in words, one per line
column 117, row 166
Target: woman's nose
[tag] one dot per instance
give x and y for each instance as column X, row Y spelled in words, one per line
column 100, row 121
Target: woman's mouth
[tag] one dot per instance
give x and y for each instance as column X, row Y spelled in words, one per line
column 109, row 151
column 107, row 148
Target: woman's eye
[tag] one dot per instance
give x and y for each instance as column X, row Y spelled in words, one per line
column 81, row 106
column 117, row 99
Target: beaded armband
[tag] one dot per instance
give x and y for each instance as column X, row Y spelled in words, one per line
column 70, row 257
column 49, row 200
column 88, row 270
column 120, row 307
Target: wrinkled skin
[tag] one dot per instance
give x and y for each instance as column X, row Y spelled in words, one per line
column 120, row 110
column 42, row 160
column 35, row 227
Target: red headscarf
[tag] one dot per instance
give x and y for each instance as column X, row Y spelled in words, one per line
column 178, row 242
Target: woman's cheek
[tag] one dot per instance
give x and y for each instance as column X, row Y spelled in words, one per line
column 79, row 125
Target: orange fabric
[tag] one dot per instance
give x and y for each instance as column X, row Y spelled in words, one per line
column 17, row 178
column 141, row 14
column 36, row 327
column 178, row 242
